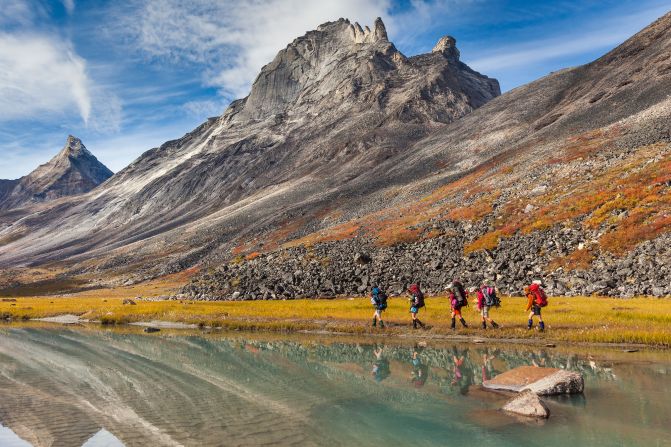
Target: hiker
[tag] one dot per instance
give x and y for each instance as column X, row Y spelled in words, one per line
column 457, row 301
column 416, row 302
column 487, row 299
column 379, row 301
column 536, row 299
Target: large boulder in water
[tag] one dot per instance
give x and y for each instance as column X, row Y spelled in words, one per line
column 527, row 403
column 542, row 381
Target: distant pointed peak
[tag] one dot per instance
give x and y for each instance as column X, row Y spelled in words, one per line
column 447, row 46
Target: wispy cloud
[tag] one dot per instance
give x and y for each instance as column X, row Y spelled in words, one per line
column 39, row 74
column 43, row 77
column 69, row 6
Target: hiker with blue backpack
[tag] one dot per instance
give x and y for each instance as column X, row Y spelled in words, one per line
column 416, row 302
column 379, row 301
column 536, row 300
column 487, row 299
column 458, row 299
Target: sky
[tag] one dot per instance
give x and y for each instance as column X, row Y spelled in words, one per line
column 127, row 75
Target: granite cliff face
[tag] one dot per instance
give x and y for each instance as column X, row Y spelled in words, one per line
column 73, row 171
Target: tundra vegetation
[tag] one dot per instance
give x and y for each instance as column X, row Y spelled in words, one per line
column 638, row 320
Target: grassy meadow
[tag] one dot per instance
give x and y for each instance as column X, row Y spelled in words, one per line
column 580, row 319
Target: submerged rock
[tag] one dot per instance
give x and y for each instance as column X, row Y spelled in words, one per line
column 150, row 329
column 527, row 403
column 542, row 381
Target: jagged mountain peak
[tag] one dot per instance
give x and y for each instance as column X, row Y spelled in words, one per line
column 341, row 64
column 74, row 170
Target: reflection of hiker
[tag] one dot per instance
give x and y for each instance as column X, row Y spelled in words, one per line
column 457, row 301
column 486, row 300
column 487, row 369
column 536, row 299
column 379, row 301
column 416, row 303
column 380, row 366
column 420, row 371
column 458, row 361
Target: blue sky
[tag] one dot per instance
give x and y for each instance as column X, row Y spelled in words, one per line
column 128, row 75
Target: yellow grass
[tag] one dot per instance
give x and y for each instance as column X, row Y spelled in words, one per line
column 582, row 319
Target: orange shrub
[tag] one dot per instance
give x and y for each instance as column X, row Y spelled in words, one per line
column 577, row 260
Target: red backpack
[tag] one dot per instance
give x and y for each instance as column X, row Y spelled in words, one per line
column 541, row 298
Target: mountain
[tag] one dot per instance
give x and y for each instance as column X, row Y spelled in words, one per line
column 333, row 108
column 350, row 164
column 73, row 171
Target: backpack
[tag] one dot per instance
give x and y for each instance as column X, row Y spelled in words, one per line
column 381, row 299
column 459, row 294
column 491, row 299
column 540, row 298
column 417, row 295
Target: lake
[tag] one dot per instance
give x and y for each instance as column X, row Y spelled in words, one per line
column 62, row 386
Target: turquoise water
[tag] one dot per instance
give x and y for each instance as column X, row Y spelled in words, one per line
column 73, row 387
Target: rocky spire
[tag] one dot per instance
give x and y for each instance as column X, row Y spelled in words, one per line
column 361, row 35
column 447, row 46
column 379, row 31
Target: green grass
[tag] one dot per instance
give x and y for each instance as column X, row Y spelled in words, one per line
column 581, row 319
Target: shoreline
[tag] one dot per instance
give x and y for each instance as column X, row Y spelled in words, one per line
column 69, row 320
column 634, row 323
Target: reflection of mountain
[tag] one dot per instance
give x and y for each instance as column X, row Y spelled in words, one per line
column 62, row 388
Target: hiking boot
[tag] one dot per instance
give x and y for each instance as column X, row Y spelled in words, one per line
column 541, row 326
column 484, row 325
column 530, row 324
column 454, row 324
column 381, row 324
column 420, row 323
column 463, row 322
column 374, row 322
column 495, row 325
column 414, row 324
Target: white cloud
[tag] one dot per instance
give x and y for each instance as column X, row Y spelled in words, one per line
column 205, row 108
column 16, row 12
column 69, row 6
column 40, row 75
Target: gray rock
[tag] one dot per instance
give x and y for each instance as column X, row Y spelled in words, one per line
column 528, row 404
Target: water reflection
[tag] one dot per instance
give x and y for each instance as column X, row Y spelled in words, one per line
column 73, row 388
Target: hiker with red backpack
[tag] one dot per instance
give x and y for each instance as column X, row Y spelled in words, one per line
column 487, row 299
column 458, row 299
column 416, row 302
column 536, row 300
